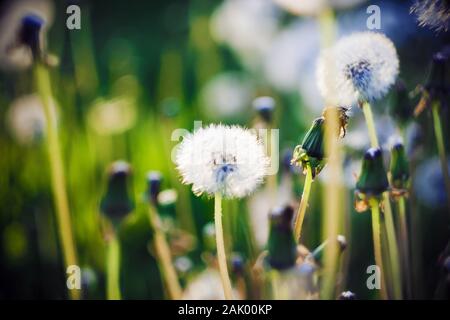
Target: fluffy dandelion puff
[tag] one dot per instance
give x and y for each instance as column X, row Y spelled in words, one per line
column 360, row 67
column 219, row 158
column 433, row 13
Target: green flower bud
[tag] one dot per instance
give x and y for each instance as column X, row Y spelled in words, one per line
column 265, row 106
column 117, row 202
column 282, row 249
column 154, row 179
column 373, row 179
column 311, row 151
column 399, row 167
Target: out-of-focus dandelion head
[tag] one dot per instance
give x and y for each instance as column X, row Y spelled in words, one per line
column 434, row 14
column 315, row 7
column 206, row 286
column 229, row 160
column 26, row 119
column 237, row 24
column 359, row 67
column 23, row 24
column 227, row 95
column 114, row 116
column 429, row 185
column 347, row 295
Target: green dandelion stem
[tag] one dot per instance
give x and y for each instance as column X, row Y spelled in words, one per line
column 390, row 229
column 441, row 148
column 43, row 87
column 393, row 247
column 303, row 204
column 376, row 233
column 113, row 270
column 164, row 256
column 367, row 110
column 221, row 256
column 405, row 244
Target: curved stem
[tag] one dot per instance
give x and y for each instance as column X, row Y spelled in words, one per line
column 113, row 270
column 221, row 256
column 405, row 243
column 43, row 87
column 164, row 256
column 303, row 204
column 441, row 148
column 376, row 233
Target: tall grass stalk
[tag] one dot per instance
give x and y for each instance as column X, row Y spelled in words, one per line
column 333, row 188
column 43, row 87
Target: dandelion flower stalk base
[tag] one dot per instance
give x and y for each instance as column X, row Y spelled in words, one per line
column 221, row 256
column 113, row 270
column 303, row 204
column 376, row 233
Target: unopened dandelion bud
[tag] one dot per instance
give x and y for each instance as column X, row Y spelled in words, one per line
column 399, row 167
column 372, row 181
column 238, row 264
column 117, row 201
column 282, row 250
column 265, row 106
column 30, row 33
column 311, row 152
column 154, row 179
column 437, row 87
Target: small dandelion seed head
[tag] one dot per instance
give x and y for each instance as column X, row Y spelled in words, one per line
column 347, row 295
column 360, row 67
column 225, row 159
column 434, row 14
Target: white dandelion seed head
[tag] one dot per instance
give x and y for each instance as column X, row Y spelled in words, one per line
column 362, row 66
column 226, row 159
column 434, row 14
